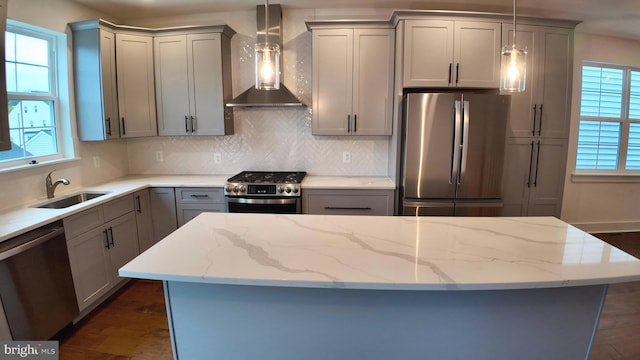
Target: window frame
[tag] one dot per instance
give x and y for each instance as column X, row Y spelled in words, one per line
column 58, row 69
column 623, row 120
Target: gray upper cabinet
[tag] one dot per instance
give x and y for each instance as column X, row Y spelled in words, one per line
column 448, row 53
column 352, row 80
column 136, row 91
column 193, row 82
column 114, row 85
column 544, row 108
column 94, row 54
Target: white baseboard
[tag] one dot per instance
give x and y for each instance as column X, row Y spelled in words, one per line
column 608, row 227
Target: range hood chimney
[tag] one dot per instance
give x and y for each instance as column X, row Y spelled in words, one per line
column 268, row 98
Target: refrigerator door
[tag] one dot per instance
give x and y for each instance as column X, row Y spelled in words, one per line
column 430, row 156
column 484, row 119
column 428, row 208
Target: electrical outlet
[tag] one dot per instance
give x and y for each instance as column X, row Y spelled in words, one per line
column 159, row 156
column 96, row 162
column 217, row 158
column 346, row 157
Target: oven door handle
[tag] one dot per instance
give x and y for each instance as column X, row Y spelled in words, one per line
column 262, row 201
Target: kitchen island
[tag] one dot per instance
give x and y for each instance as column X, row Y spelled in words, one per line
column 248, row 286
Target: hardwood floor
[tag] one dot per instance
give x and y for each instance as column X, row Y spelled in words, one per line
column 133, row 324
column 618, row 335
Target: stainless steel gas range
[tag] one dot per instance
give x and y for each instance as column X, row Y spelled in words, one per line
column 276, row 192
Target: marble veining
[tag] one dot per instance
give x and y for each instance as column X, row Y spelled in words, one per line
column 384, row 253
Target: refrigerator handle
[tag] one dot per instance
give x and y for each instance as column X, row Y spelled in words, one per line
column 463, row 142
column 455, row 144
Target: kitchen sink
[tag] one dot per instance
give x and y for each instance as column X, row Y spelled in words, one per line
column 70, row 200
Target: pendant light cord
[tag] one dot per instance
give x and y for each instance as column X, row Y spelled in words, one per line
column 514, row 24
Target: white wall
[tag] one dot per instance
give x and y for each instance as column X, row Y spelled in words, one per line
column 592, row 204
column 264, row 139
column 18, row 187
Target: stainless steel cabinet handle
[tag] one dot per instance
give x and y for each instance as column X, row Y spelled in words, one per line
column 124, row 131
column 450, row 69
column 348, row 123
column 198, row 196
column 535, row 179
column 193, row 124
column 346, row 208
column 138, row 204
column 530, row 164
column 106, row 238
column 457, row 72
column 355, row 123
column 110, row 229
column 109, row 126
column 186, row 124
column 535, row 113
column 540, row 124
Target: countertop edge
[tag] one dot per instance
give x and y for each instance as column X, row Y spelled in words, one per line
column 13, row 223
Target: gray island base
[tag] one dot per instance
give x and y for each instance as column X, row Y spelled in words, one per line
column 210, row 321
column 289, row 287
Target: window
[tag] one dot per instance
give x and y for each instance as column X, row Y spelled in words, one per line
column 609, row 129
column 31, row 63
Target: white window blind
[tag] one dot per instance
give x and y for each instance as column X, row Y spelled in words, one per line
column 609, row 128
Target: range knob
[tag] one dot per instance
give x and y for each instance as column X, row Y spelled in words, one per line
column 228, row 189
column 295, row 189
column 235, row 188
column 243, row 188
column 281, row 189
column 288, row 189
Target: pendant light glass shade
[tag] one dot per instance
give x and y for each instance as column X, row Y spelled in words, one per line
column 267, row 59
column 514, row 69
column 267, row 66
column 513, row 74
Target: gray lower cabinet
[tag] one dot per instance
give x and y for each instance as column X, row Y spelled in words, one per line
column 190, row 202
column 144, row 220
column 348, row 202
column 163, row 203
column 100, row 240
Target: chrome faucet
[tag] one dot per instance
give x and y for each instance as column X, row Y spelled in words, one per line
column 51, row 187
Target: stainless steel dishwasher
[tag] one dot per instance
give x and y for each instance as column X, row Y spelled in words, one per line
column 36, row 287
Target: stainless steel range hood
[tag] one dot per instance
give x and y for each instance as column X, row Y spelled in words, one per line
column 268, row 98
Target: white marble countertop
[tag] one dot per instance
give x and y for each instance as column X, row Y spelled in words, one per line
column 25, row 217
column 386, row 253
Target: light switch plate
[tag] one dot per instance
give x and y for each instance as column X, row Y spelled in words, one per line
column 159, row 156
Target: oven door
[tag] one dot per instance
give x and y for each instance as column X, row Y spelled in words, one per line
column 264, row 205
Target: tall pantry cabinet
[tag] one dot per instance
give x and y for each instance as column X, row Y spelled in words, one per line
column 538, row 130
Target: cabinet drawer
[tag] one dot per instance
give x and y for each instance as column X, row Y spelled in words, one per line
column 187, row 212
column 349, row 202
column 82, row 222
column 118, row 207
column 199, row 195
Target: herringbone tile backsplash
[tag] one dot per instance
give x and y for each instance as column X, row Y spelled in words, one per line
column 272, row 139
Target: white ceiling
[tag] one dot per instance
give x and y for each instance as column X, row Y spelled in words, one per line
column 611, row 17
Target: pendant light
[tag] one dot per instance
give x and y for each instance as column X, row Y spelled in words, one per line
column 514, row 64
column 267, row 59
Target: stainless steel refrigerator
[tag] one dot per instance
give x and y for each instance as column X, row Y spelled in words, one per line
column 453, row 153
